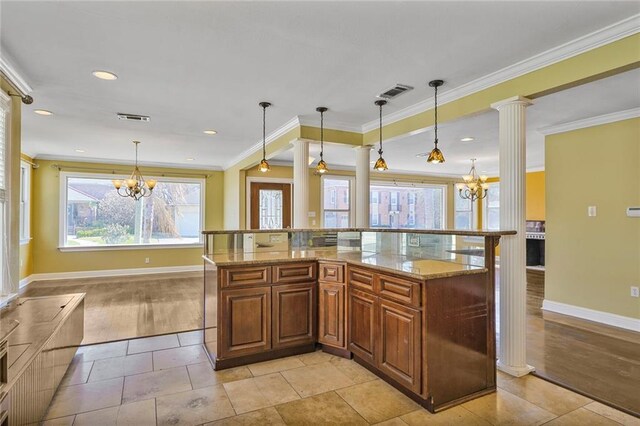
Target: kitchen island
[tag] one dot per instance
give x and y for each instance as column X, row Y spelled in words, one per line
column 406, row 305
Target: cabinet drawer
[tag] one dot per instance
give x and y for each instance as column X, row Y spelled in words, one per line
column 361, row 279
column 331, row 272
column 297, row 272
column 245, row 276
column 400, row 290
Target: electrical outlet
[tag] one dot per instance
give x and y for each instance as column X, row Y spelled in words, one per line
column 591, row 211
column 635, row 291
column 146, row 260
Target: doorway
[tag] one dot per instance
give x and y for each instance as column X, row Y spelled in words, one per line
column 270, row 205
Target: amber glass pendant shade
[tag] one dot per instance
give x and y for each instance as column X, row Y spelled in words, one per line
column 264, row 166
column 435, row 156
column 380, row 165
column 322, row 167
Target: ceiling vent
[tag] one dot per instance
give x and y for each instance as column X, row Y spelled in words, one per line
column 133, row 117
column 394, row 91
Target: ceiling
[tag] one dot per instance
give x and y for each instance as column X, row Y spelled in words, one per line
column 199, row 65
column 613, row 94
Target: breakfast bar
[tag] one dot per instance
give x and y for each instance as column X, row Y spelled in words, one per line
column 414, row 307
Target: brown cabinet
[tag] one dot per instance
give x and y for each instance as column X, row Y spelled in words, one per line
column 294, row 311
column 331, row 272
column 246, row 325
column 399, row 344
column 331, row 312
column 362, row 324
column 297, row 272
column 245, row 276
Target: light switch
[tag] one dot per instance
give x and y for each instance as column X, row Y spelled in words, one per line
column 591, row 211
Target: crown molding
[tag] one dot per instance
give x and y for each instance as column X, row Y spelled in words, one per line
column 598, row 38
column 107, row 162
column 10, row 71
column 333, row 125
column 590, row 122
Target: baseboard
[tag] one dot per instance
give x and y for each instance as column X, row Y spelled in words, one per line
column 108, row 273
column 5, row 300
column 607, row 318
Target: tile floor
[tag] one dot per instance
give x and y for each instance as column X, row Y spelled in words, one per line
column 168, row 380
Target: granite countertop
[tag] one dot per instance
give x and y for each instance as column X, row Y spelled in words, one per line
column 478, row 233
column 416, row 268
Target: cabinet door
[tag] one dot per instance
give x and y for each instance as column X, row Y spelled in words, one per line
column 331, row 315
column 399, row 351
column 362, row 310
column 293, row 315
column 246, row 325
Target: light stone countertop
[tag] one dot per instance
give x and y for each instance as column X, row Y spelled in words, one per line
column 417, row 268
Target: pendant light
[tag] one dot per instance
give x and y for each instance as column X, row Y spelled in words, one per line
column 436, row 156
column 264, row 164
column 322, row 166
column 380, row 165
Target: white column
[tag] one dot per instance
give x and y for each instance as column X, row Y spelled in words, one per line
column 363, row 173
column 512, row 358
column 300, row 183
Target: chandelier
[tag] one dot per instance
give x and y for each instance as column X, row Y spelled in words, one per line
column 135, row 186
column 474, row 187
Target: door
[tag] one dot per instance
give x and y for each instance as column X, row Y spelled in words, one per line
column 248, row 327
column 294, row 314
column 270, row 205
column 362, row 324
column 331, row 315
column 399, row 346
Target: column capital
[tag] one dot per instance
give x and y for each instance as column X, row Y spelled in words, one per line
column 300, row 141
column 514, row 100
column 364, row 147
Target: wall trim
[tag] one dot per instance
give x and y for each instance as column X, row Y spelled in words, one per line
column 591, row 121
column 108, row 273
column 598, row 38
column 607, row 318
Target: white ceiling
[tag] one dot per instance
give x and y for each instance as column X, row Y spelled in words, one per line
column 613, row 94
column 198, row 65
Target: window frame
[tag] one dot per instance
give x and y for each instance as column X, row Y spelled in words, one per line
column 25, row 202
column 474, row 211
column 395, row 184
column 351, row 208
column 485, row 208
column 62, row 220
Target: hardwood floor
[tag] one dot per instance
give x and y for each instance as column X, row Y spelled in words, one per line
column 598, row 361
column 118, row 308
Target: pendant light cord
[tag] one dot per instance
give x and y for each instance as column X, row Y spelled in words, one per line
column 264, row 132
column 436, row 116
column 321, row 135
column 380, row 151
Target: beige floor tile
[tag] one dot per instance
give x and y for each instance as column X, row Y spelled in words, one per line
column 317, row 378
column 582, row 417
column 326, row 408
column 377, row 401
column 85, row 397
column 266, row 416
column 154, row 384
column 396, row 421
column 453, row 416
column 78, row 372
column 613, row 414
column 194, row 407
column 154, row 343
column 503, row 378
column 316, row 357
column 176, row 357
column 203, row 375
column 141, row 413
column 503, row 408
column 105, row 350
column 544, row 394
column 259, row 392
column 121, row 366
column 191, row 338
column 275, row 366
column 353, row 370
column 60, row 421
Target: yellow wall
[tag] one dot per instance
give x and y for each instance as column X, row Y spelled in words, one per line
column 46, row 198
column 26, row 249
column 592, row 261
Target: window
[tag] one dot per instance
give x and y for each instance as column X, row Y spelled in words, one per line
column 5, row 103
column 411, row 206
column 491, row 207
column 463, row 218
column 94, row 215
column 336, row 201
column 25, row 201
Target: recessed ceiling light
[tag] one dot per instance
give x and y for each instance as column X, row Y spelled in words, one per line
column 190, row 159
column 422, row 154
column 80, row 150
column 467, row 139
column 104, row 75
column 210, row 132
column 42, row 112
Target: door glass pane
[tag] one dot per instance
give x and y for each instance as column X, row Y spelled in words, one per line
column 270, row 209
